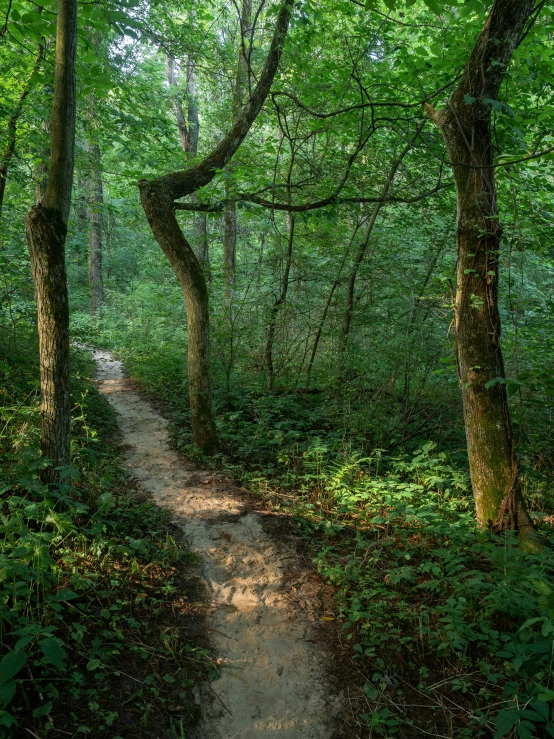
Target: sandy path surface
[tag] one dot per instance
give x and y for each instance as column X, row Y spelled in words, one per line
column 273, row 680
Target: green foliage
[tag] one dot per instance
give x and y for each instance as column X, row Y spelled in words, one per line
column 90, row 609
column 438, row 614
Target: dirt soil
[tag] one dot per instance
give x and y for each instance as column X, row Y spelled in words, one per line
column 275, row 665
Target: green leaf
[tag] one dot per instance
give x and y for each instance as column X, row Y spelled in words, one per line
column 433, row 5
column 53, row 652
column 93, row 664
column 546, row 695
column 469, row 99
column 65, row 594
column 504, row 722
column 495, row 381
column 11, row 664
column 371, row 692
column 6, row 693
column 42, row 710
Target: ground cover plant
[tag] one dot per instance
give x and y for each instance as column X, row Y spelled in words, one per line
column 319, row 234
column 451, row 628
column 100, row 609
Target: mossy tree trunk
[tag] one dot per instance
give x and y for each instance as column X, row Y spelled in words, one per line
column 46, row 227
column 465, row 124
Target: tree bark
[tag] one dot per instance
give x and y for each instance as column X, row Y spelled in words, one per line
column 277, row 305
column 465, row 124
column 191, row 278
column 46, row 227
column 158, row 201
column 95, row 204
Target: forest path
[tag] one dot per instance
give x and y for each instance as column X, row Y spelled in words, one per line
column 273, row 678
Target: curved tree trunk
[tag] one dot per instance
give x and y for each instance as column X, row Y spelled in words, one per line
column 186, row 266
column 46, row 231
column 158, row 198
column 189, row 130
column 465, row 124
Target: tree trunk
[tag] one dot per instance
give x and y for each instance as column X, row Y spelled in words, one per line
column 465, row 124
column 278, row 304
column 326, row 308
column 360, row 254
column 46, row 233
column 158, row 201
column 230, row 214
column 46, row 227
column 186, row 266
column 95, row 204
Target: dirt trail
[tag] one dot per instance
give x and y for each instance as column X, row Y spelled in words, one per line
column 273, row 680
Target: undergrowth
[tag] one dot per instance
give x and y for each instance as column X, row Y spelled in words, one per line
column 99, row 608
column 451, row 629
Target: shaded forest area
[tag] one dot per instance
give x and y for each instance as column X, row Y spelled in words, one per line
column 319, row 236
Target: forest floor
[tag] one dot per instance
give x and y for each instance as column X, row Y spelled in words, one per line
column 267, row 622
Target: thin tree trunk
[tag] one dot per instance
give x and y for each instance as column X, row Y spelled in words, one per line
column 349, row 298
column 95, row 204
column 46, row 227
column 189, row 131
column 230, row 213
column 109, row 238
column 465, row 124
column 279, row 302
column 12, row 128
column 327, row 306
column 158, row 198
column 414, row 313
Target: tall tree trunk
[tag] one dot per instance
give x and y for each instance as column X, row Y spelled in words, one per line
column 158, row 198
column 334, row 286
column 230, row 213
column 277, row 305
column 12, row 128
column 95, row 204
column 46, row 227
column 360, row 254
column 189, row 130
column 465, row 124
column 412, row 320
